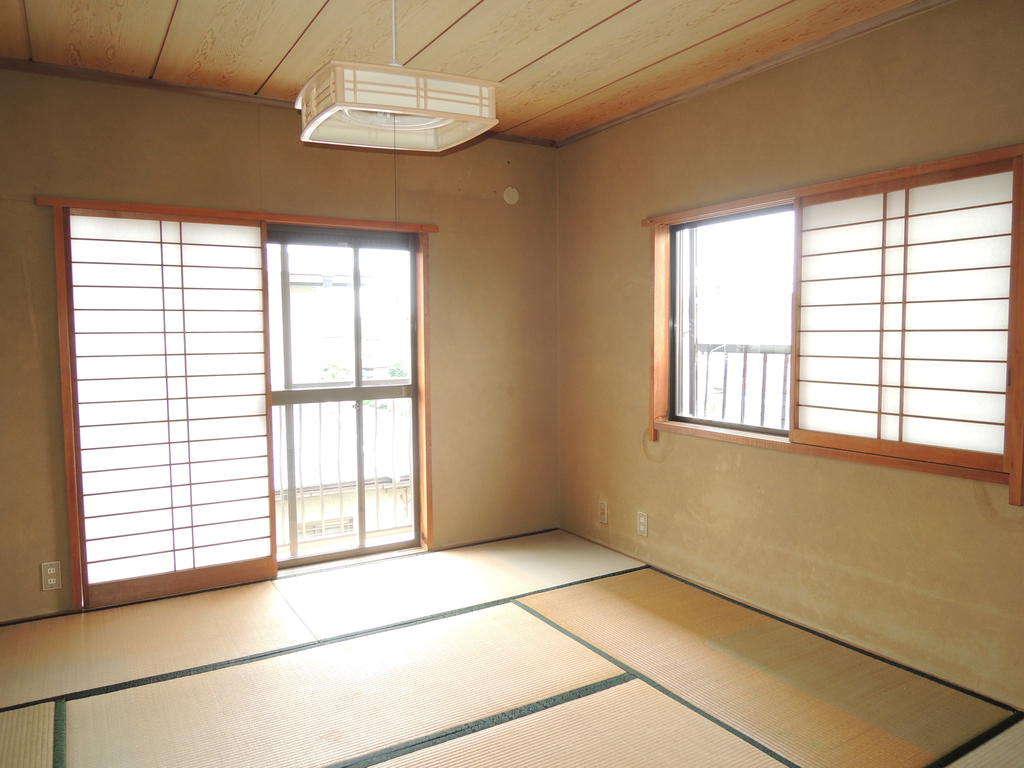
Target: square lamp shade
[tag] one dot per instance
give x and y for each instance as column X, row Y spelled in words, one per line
column 391, row 107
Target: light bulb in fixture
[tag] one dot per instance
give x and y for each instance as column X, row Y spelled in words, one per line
column 375, row 118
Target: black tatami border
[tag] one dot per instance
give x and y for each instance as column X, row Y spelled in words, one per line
column 447, row 734
column 60, row 733
column 837, row 641
column 658, row 686
column 275, row 652
column 629, row 673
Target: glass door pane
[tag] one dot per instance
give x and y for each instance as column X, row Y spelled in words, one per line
column 385, row 316
column 341, row 314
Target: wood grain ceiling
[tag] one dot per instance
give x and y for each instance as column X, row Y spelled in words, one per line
column 566, row 67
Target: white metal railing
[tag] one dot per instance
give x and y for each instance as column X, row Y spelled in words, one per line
column 741, row 384
column 332, row 496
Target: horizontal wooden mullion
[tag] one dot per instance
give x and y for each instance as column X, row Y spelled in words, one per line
column 875, row 411
column 180, row 582
column 897, row 386
column 160, row 332
column 189, row 484
column 173, row 421
column 232, row 541
column 177, row 528
column 163, row 287
column 261, row 497
column 139, row 554
column 934, row 454
column 163, row 265
column 176, row 463
column 914, row 359
column 173, row 442
column 909, row 415
column 907, row 216
column 162, row 309
column 155, row 242
column 165, row 376
column 174, row 549
column 902, row 330
column 175, row 354
column 258, row 393
column 900, row 303
column 904, row 274
column 882, row 246
column 847, row 224
column 872, row 411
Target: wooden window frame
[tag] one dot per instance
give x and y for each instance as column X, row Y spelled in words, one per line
column 1007, row 469
column 161, row 585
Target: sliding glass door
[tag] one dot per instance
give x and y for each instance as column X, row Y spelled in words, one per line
column 343, row 375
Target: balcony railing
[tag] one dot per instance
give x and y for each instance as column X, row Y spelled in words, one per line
column 333, row 495
column 744, row 384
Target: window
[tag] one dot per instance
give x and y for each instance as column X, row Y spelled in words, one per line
column 200, row 390
column 901, row 346
column 733, row 320
column 904, row 317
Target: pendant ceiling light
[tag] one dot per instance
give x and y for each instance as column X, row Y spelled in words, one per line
column 392, row 107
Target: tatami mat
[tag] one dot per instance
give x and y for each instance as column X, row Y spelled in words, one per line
column 376, row 594
column 337, row 701
column 627, row 726
column 39, row 659
column 1004, row 751
column 26, row 737
column 813, row 701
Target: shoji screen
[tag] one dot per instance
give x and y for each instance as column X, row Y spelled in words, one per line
column 904, row 316
column 170, row 414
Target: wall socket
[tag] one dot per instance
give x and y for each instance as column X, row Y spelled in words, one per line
column 51, row 575
column 641, row 523
column 602, row 512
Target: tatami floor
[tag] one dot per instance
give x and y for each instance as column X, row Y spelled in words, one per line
column 545, row 650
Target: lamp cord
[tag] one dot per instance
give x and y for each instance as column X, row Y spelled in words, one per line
column 394, row 127
column 394, row 35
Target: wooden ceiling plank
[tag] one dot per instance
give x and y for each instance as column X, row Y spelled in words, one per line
column 108, row 35
column 444, row 31
column 795, row 28
column 361, row 32
column 14, row 43
column 772, row 40
column 628, row 42
column 232, row 45
column 500, row 37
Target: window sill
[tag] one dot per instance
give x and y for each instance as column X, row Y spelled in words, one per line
column 779, row 443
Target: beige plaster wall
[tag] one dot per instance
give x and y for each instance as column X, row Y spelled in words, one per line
column 925, row 569
column 491, row 287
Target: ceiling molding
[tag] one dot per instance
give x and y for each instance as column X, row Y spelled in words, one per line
column 521, row 139
column 799, row 52
column 99, row 76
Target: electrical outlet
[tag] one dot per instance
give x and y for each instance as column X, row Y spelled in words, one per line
column 51, row 575
column 641, row 523
column 602, row 512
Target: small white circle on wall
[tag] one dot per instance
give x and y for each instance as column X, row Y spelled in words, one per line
column 511, row 195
